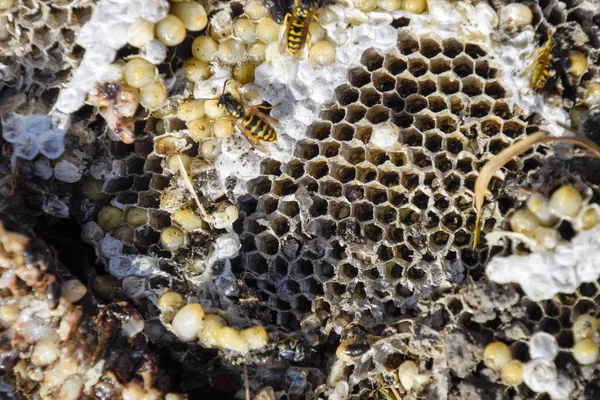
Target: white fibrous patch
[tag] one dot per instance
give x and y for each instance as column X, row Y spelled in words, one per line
column 545, row 274
column 101, row 37
column 227, row 246
column 66, row 171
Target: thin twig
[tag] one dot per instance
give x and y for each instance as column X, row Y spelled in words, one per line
column 188, row 184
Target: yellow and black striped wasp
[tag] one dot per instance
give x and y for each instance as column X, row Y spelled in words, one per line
column 256, row 125
column 541, row 64
column 297, row 23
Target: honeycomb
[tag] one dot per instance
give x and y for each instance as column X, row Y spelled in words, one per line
column 353, row 228
column 38, row 47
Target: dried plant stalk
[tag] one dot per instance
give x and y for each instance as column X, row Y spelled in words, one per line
column 492, row 166
column 190, row 187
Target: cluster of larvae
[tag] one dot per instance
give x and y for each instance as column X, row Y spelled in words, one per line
column 189, row 323
column 541, row 216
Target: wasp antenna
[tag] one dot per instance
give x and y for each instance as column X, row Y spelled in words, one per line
column 225, row 84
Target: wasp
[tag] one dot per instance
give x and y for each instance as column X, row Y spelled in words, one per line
column 297, row 23
column 540, row 64
column 256, row 125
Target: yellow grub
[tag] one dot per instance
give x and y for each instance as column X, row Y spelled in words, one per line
column 267, row 30
column 566, row 202
column 172, row 238
column 496, row 356
column 256, row 337
column 211, row 329
column 323, row 53
column 136, row 217
column 110, row 217
column 200, row 129
column 204, row 48
column 192, row 14
column 153, row 95
column 170, row 30
column 140, row 33
column 196, row 70
column 232, row 339
column 188, row 220
column 512, row 374
column 190, row 110
column 170, row 301
column 415, row 6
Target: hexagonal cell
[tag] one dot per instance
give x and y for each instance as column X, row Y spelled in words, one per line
column 319, row 207
column 378, row 114
column 366, row 173
column 330, row 148
column 430, row 47
column 407, row 43
column 427, row 86
column 256, row 264
column 343, row 132
column 259, row 186
column 416, row 274
column 480, row 108
column 373, row 232
column 482, row 68
column 397, row 198
column 289, row 208
column 363, row 133
column 455, row 144
column 433, row 141
column 280, row 225
column 385, row 253
column 424, row 122
column 376, row 194
column 502, row 110
column 343, row 173
column 339, row 209
column 496, row 145
column 491, row 126
column 335, row 290
column 452, row 183
column 441, row 202
column 406, row 85
column 448, row 84
column 415, row 103
column 294, row 168
column 513, row 129
column 355, row 113
column 353, row 154
column 389, row 178
column 334, row 114
column 458, row 103
column 420, row 159
column 346, row 94
column 354, row 192
column 398, row 158
column 446, row 123
column 417, row 66
column 348, row 271
column 410, row 180
column 270, row 167
column 402, row 251
column 359, row 77
column 474, row 50
column 402, row 120
column 268, row 204
column 443, row 162
column 452, row 47
column 306, row 149
column 267, row 243
column 362, row 211
column 463, row 66
column 439, row 240
column 371, row 59
column 323, row 227
column 369, row 96
column 386, row 214
column 495, row 90
column 452, row 220
column 284, row 187
column 319, row 130
column 395, row 64
column 383, row 81
column 472, row 86
column 393, row 101
column 439, row 65
column 330, row 187
column 420, row 200
column 465, row 164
